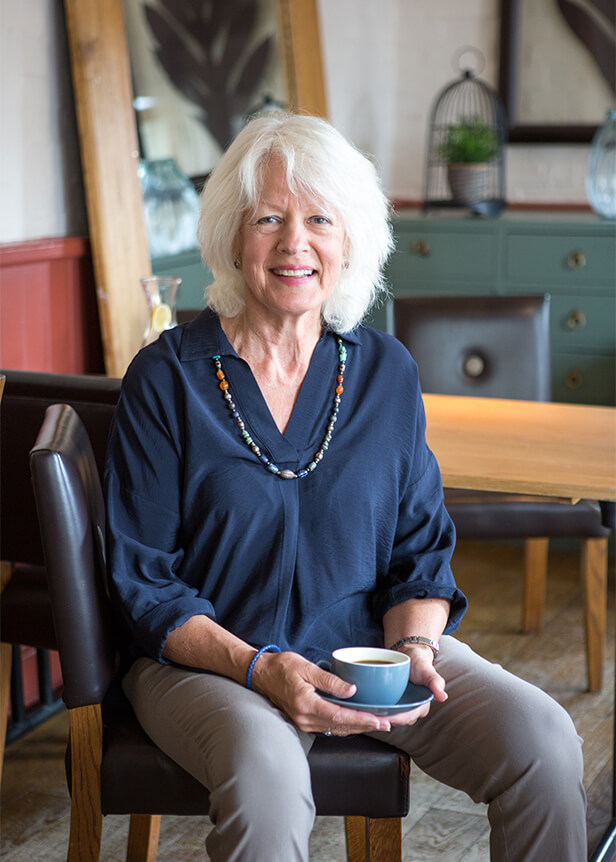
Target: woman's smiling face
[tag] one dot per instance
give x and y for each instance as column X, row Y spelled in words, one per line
column 290, row 248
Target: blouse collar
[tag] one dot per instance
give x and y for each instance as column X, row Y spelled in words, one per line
column 203, row 337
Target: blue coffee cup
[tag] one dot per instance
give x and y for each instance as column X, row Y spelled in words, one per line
column 381, row 675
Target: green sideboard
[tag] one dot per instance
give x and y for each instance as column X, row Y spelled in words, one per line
column 571, row 256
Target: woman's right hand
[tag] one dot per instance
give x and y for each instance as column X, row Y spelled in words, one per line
column 290, row 682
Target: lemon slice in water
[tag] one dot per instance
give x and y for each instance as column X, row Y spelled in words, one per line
column 161, row 317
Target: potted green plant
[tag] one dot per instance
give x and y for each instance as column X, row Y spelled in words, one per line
column 468, row 149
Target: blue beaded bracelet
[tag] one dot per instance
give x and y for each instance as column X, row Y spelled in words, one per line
column 257, row 655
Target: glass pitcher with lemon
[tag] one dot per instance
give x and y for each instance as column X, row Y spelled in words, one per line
column 160, row 292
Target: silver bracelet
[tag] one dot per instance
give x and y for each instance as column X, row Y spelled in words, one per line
column 417, row 639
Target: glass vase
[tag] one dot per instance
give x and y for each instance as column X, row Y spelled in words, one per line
column 601, row 177
column 171, row 207
column 160, row 293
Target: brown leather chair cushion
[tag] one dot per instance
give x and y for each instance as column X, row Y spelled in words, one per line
column 355, row 776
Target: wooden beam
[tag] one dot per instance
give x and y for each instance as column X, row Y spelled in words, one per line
column 110, row 155
column 301, row 53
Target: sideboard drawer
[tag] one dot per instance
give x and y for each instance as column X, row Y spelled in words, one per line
column 566, row 260
column 423, row 256
column 588, row 321
column 584, row 378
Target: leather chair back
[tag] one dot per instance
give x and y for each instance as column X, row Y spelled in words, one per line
column 27, row 394
column 470, row 345
column 72, row 523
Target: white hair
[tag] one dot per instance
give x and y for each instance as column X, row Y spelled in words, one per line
column 321, row 164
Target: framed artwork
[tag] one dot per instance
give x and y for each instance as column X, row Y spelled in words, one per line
column 557, row 68
column 199, row 71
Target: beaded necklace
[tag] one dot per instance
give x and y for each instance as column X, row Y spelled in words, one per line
column 333, row 417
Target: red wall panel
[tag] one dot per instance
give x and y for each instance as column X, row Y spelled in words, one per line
column 48, row 322
column 48, row 313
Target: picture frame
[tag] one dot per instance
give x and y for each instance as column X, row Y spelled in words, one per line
column 526, row 68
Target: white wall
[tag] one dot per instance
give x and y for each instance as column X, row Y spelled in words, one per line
column 385, row 61
column 40, row 175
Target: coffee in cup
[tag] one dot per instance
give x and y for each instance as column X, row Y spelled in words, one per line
column 381, row 675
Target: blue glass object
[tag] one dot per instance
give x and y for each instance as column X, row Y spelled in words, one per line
column 171, row 207
column 601, row 178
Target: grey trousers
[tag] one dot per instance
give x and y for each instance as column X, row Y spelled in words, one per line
column 501, row 740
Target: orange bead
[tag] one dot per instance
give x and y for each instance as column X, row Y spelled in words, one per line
column 220, row 374
column 223, row 384
column 340, row 378
column 339, row 390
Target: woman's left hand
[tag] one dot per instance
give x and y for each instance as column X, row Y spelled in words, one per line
column 422, row 672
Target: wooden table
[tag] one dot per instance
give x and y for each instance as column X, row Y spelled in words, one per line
column 528, row 447
column 567, row 451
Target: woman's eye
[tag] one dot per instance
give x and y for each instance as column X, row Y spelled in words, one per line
column 319, row 220
column 267, row 220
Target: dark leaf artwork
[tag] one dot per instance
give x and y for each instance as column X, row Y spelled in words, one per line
column 595, row 24
column 203, row 46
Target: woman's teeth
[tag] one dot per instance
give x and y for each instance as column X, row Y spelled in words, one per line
column 293, row 273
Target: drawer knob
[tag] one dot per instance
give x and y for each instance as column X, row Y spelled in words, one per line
column 474, row 365
column 576, row 320
column 421, row 248
column 574, row 379
column 576, row 260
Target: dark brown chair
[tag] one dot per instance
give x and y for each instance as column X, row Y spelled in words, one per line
column 114, row 766
column 25, row 609
column 499, row 346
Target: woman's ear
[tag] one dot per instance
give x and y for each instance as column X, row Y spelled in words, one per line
column 235, row 254
column 346, row 253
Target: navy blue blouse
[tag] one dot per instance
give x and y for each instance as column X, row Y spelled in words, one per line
column 197, row 525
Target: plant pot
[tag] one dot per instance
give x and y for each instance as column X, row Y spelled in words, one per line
column 469, row 183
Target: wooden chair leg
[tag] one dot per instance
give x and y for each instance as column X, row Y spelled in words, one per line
column 86, row 730
column 355, row 831
column 143, row 838
column 6, row 651
column 374, row 839
column 594, row 585
column 535, row 578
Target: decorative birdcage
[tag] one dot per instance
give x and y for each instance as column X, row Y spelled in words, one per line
column 465, row 151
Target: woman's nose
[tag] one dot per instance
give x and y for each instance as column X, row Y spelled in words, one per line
column 293, row 237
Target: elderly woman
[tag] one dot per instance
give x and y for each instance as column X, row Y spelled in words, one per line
column 271, row 497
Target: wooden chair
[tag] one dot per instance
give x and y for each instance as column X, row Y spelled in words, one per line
column 114, row 767
column 499, row 346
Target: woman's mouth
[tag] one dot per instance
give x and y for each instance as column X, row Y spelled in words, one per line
column 294, row 273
